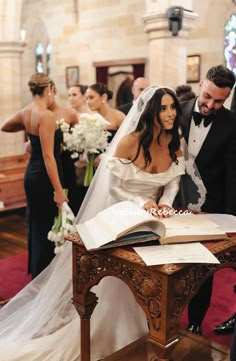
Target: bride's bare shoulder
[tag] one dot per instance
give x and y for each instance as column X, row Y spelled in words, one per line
column 126, row 146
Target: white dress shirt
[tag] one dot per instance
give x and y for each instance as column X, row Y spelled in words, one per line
column 197, row 135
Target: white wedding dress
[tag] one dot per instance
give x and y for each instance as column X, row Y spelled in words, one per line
column 117, row 319
column 127, row 182
column 40, row 323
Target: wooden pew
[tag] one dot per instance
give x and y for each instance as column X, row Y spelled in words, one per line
column 12, row 170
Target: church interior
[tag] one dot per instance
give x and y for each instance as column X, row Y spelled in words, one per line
column 110, row 42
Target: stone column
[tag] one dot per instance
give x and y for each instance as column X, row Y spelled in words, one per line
column 10, row 96
column 11, row 49
column 167, row 53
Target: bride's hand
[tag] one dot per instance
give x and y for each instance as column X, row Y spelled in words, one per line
column 165, row 211
column 152, row 207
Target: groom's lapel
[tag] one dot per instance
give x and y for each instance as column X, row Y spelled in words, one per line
column 187, row 109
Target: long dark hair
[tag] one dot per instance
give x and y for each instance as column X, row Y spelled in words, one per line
column 101, row 89
column 146, row 122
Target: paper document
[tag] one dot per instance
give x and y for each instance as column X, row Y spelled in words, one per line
column 226, row 222
column 176, row 253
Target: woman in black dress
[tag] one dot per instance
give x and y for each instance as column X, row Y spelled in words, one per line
column 98, row 97
column 44, row 177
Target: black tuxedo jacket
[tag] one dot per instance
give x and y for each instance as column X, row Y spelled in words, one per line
column 216, row 160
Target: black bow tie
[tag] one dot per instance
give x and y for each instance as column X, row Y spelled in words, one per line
column 197, row 117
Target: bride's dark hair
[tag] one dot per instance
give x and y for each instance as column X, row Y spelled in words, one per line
column 146, row 124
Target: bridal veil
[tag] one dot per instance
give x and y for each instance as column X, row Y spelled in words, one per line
column 41, row 324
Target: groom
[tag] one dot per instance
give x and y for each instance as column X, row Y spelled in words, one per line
column 210, row 132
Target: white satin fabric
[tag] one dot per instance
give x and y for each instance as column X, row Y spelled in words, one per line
column 41, row 324
column 127, row 182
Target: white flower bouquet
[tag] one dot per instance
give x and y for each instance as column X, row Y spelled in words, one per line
column 86, row 139
column 62, row 227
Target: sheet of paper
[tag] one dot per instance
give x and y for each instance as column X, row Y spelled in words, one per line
column 226, row 222
column 176, row 253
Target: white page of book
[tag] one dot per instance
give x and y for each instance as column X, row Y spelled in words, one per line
column 189, row 231
column 185, row 221
column 122, row 215
column 175, row 253
column 226, row 222
column 92, row 235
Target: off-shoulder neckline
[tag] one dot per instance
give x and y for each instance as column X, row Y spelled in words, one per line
column 141, row 170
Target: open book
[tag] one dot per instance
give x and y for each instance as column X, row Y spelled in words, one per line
column 125, row 223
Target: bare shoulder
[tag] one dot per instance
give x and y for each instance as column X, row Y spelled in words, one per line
column 68, row 114
column 118, row 116
column 127, row 146
column 46, row 118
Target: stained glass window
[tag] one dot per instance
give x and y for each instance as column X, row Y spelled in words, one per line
column 230, row 43
column 43, row 57
column 39, row 52
column 48, row 57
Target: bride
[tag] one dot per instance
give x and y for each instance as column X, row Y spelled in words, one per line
column 40, row 323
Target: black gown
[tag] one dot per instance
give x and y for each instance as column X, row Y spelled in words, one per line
column 41, row 208
column 76, row 192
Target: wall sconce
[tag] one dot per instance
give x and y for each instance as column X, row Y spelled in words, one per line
column 175, row 17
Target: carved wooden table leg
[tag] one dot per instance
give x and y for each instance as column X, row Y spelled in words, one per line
column 85, row 310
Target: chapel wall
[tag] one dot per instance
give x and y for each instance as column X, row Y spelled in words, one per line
column 101, row 31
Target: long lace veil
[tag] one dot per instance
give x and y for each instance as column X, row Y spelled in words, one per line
column 96, row 197
column 40, row 322
column 192, row 194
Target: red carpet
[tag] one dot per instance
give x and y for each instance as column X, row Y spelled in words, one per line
column 223, row 305
column 13, row 277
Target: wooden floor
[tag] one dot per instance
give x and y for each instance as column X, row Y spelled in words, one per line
column 190, row 347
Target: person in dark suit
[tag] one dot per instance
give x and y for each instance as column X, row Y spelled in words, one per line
column 227, row 326
column 138, row 86
column 209, row 129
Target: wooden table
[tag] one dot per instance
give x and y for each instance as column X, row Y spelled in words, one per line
column 162, row 291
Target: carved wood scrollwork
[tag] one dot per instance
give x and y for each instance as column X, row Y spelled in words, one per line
column 147, row 285
column 188, row 281
column 91, row 268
